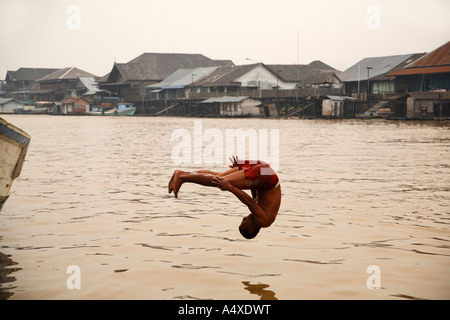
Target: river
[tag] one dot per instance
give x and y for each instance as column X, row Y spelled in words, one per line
column 365, row 212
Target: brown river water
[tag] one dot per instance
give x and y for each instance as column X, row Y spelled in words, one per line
column 365, row 214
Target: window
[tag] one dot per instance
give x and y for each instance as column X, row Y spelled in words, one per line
column 383, row 87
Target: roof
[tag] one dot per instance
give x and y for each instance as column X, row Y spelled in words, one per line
column 6, row 100
column 437, row 61
column 340, row 98
column 428, row 70
column 438, row 57
column 224, row 62
column 227, row 75
column 70, row 100
column 230, row 75
column 66, row 74
column 182, row 77
column 425, row 95
column 380, row 66
column 400, row 66
column 299, row 72
column 225, row 99
column 28, row 74
column 90, row 84
column 317, row 64
column 158, row 66
column 293, row 72
column 322, row 77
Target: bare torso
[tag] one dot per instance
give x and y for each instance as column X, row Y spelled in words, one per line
column 270, row 202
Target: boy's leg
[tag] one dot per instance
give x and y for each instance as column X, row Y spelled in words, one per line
column 220, row 174
column 204, row 178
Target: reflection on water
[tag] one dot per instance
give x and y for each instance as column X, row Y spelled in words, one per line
column 93, row 193
column 6, row 278
column 260, row 290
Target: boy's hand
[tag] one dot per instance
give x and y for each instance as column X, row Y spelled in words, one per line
column 221, row 183
column 234, row 161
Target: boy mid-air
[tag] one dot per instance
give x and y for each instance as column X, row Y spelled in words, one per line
column 256, row 176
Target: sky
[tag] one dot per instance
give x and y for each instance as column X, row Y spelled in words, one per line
column 92, row 34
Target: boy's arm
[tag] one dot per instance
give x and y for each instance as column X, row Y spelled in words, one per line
column 253, row 206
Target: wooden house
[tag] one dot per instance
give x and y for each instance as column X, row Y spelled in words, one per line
column 294, row 75
column 422, row 105
column 74, row 105
column 253, row 79
column 174, row 87
column 236, row 106
column 324, row 79
column 63, row 83
column 19, row 83
column 370, row 75
column 235, row 80
column 129, row 80
column 429, row 73
column 7, row 105
column 23, row 78
column 334, row 106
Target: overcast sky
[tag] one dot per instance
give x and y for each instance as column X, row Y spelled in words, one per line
column 91, row 34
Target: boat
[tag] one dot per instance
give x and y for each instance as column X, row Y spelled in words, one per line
column 122, row 109
column 13, row 149
column 31, row 111
column 380, row 110
column 385, row 112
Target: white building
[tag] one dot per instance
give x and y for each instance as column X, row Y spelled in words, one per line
column 236, row 106
column 7, row 105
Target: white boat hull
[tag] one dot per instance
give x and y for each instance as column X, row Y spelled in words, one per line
column 128, row 112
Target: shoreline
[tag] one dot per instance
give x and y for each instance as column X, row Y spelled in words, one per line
column 438, row 119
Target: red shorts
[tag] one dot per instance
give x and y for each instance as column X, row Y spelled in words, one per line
column 258, row 175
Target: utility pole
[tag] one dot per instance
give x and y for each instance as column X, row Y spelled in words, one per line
column 368, row 81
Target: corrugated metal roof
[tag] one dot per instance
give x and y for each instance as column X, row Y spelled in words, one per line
column 90, row 84
column 6, row 100
column 224, row 99
column 437, row 61
column 182, row 77
column 69, row 100
column 340, row 98
column 427, row 70
column 438, row 57
column 379, row 65
column 67, row 73
column 158, row 66
column 226, row 75
column 425, row 95
column 229, row 75
column 299, row 72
